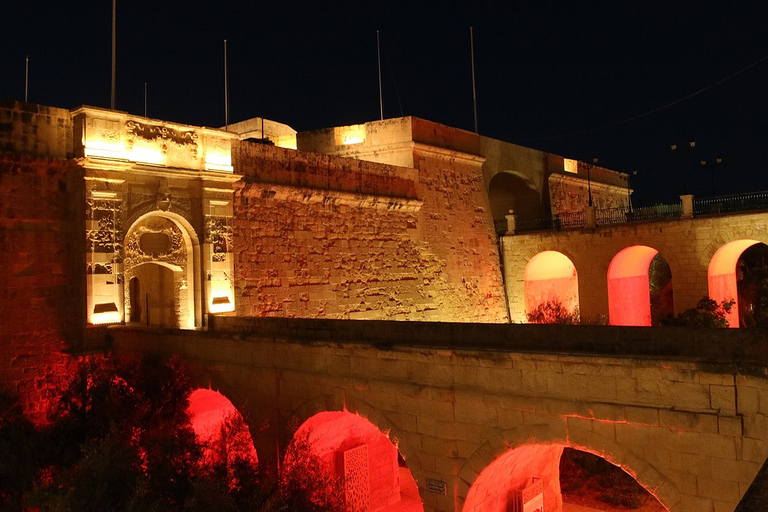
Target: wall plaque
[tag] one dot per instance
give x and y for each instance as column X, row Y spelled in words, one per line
column 437, row 487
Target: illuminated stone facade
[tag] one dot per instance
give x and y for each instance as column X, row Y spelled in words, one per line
column 158, row 219
column 687, row 244
column 107, row 218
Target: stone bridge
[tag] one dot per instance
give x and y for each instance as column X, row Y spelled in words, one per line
column 476, row 410
column 604, row 270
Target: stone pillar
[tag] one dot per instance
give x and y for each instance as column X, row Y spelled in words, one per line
column 590, row 219
column 687, row 201
column 511, row 222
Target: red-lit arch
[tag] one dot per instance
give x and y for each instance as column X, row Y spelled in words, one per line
column 551, row 276
column 549, row 435
column 629, row 299
column 721, row 275
column 534, row 468
column 213, row 415
column 331, row 435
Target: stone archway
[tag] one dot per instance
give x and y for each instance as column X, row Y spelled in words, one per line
column 550, row 279
column 722, row 278
column 507, row 462
column 160, row 260
column 629, row 287
column 511, row 191
column 364, row 459
column 220, row 429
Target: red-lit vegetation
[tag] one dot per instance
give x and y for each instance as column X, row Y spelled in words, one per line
column 553, row 312
column 121, row 439
column 550, row 277
column 587, row 479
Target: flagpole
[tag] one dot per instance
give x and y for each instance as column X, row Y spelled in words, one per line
column 26, row 79
column 226, row 89
column 114, row 52
column 378, row 56
column 474, row 90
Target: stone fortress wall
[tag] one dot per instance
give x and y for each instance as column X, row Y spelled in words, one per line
column 41, row 233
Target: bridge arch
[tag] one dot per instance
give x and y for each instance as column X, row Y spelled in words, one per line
column 722, row 279
column 550, row 277
column 161, row 257
column 629, row 286
column 363, row 457
column 365, row 410
column 549, row 440
column 220, row 428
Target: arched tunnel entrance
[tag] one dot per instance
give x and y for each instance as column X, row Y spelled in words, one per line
column 372, row 475
column 555, row 478
column 508, row 191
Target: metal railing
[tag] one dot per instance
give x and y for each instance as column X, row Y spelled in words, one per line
column 612, row 216
column 572, row 220
column 541, row 224
column 734, row 203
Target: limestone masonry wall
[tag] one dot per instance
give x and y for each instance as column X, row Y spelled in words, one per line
column 41, row 279
column 691, row 430
column 321, row 236
column 686, row 244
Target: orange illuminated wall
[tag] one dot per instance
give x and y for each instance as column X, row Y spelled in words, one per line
column 551, row 276
column 722, row 276
column 629, row 296
column 332, row 433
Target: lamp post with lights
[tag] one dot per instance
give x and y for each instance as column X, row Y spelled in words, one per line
column 713, row 165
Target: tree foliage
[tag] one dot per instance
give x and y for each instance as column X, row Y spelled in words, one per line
column 120, row 439
column 707, row 313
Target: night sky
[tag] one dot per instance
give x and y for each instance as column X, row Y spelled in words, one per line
column 620, row 81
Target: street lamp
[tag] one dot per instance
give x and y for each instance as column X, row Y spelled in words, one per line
column 629, row 188
column 589, row 181
column 680, row 149
column 712, row 164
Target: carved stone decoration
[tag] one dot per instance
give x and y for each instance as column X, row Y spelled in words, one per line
column 163, row 197
column 355, row 471
column 218, row 232
column 162, row 135
column 182, row 206
column 158, row 229
column 106, row 230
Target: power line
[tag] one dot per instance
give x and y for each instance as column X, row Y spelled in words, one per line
column 653, row 111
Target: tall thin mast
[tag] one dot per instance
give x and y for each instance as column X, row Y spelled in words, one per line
column 26, row 79
column 474, row 90
column 114, row 51
column 378, row 56
column 226, row 89
column 145, row 99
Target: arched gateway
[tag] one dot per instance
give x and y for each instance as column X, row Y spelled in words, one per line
column 161, row 255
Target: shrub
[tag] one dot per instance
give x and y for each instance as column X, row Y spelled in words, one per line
column 553, row 312
column 707, row 313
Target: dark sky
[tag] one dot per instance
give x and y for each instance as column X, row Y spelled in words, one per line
column 615, row 80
